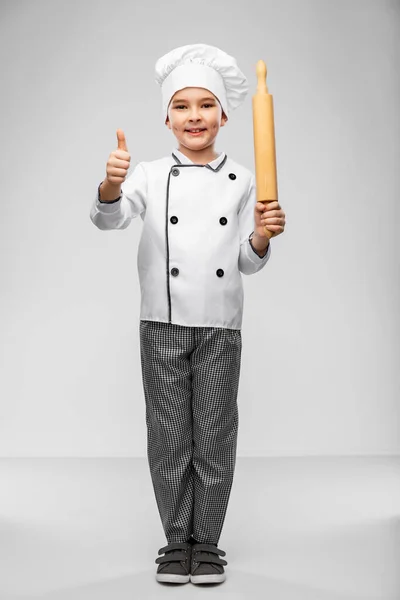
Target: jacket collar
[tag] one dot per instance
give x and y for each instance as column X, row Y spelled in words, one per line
column 214, row 165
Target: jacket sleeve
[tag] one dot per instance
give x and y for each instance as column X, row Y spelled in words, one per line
column 118, row 213
column 249, row 261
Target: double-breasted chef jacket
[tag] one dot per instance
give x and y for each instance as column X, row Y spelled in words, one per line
column 197, row 221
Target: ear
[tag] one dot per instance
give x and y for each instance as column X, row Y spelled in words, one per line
column 224, row 119
column 167, row 122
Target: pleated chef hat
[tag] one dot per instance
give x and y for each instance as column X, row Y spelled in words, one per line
column 201, row 65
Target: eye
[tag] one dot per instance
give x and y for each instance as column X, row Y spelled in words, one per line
column 183, row 105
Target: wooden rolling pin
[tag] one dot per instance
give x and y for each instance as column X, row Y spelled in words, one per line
column 264, row 141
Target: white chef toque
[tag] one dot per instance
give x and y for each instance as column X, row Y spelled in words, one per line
column 201, row 65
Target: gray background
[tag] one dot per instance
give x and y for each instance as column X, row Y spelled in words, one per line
column 320, row 366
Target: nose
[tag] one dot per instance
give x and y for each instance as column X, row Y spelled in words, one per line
column 194, row 115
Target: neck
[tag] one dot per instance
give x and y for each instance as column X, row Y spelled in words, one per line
column 200, row 157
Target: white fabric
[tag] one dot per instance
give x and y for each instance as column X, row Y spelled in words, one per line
column 194, row 75
column 186, row 161
column 198, row 244
column 201, row 65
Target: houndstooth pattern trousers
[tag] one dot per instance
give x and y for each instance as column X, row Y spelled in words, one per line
column 190, row 381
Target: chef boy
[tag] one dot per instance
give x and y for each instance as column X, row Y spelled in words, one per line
column 202, row 229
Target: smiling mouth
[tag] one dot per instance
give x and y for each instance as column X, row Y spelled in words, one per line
column 194, row 131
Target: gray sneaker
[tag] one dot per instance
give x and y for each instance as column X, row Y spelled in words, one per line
column 206, row 566
column 174, row 566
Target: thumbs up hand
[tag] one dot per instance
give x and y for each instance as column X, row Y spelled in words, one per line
column 119, row 161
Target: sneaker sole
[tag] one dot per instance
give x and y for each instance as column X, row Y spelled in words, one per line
column 214, row 578
column 172, row 578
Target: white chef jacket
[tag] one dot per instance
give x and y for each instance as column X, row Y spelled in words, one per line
column 195, row 245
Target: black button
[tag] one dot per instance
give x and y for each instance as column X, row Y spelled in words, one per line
column 232, row 176
column 223, row 220
column 174, row 220
column 220, row 272
column 175, row 172
column 174, row 271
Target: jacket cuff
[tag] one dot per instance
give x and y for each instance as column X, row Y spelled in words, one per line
column 107, row 206
column 255, row 251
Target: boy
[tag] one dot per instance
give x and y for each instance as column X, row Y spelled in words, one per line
column 202, row 228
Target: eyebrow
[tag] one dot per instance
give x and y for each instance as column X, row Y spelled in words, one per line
column 202, row 99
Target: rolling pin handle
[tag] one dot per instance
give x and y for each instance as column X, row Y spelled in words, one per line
column 261, row 71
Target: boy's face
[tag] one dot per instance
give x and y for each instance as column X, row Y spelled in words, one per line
column 195, row 108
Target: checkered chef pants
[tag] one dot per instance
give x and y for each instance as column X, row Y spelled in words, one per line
column 190, row 381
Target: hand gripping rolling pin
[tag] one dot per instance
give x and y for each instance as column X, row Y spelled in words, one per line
column 264, row 141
